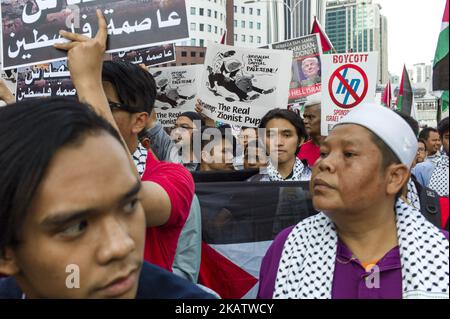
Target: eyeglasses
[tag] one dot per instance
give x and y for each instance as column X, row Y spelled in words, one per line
column 123, row 107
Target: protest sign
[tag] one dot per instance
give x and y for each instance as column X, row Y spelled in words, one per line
column 44, row 80
column 10, row 79
column 147, row 56
column 240, row 85
column 176, row 90
column 306, row 66
column 31, row 27
column 348, row 80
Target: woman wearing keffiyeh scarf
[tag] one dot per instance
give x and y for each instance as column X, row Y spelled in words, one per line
column 366, row 242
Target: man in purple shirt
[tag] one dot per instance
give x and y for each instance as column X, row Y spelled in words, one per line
column 366, row 242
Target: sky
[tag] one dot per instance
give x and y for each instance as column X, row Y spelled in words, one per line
column 413, row 31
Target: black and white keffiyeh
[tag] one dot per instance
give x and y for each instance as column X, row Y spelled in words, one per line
column 140, row 158
column 300, row 172
column 439, row 177
column 413, row 195
column 306, row 269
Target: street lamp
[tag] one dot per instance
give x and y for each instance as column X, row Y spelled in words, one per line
column 289, row 7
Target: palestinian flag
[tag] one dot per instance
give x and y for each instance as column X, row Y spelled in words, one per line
column 386, row 98
column 440, row 66
column 239, row 222
column 405, row 94
column 325, row 41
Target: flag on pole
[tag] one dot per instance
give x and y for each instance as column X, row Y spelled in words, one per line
column 440, row 65
column 386, row 98
column 325, row 41
column 405, row 94
column 224, row 38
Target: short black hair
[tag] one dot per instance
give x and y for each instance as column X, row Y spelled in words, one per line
column 425, row 133
column 222, row 130
column 135, row 87
column 31, row 132
column 411, row 122
column 443, row 127
column 421, row 140
column 287, row 115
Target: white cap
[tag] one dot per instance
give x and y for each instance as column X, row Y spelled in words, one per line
column 390, row 127
column 313, row 99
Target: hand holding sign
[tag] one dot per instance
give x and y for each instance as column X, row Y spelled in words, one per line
column 85, row 55
column 5, row 94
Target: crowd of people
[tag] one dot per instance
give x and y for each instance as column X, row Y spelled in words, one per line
column 100, row 184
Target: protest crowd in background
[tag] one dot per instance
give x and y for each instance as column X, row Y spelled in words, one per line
column 126, row 180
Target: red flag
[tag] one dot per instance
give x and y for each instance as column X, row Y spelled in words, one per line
column 386, row 98
column 224, row 37
column 326, row 43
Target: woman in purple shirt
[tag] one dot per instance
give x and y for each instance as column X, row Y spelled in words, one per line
column 367, row 242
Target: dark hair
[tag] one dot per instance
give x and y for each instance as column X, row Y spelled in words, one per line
column 443, row 127
column 194, row 116
column 289, row 116
column 421, row 140
column 225, row 136
column 31, row 132
column 425, row 133
column 411, row 122
column 135, row 87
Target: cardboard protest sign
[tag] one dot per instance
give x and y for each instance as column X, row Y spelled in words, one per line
column 240, row 85
column 147, row 56
column 348, row 80
column 10, row 79
column 31, row 27
column 306, row 66
column 44, row 80
column 177, row 88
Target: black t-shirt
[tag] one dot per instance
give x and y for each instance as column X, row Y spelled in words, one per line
column 170, row 286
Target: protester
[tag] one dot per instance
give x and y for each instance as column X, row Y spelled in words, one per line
column 310, row 151
column 366, row 242
column 218, row 149
column 70, row 228
column 421, row 152
column 285, row 133
column 434, row 174
column 255, row 155
column 431, row 136
column 187, row 127
column 168, row 188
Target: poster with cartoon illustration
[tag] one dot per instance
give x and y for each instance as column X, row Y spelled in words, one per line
column 306, row 66
column 240, row 85
column 177, row 88
column 10, row 79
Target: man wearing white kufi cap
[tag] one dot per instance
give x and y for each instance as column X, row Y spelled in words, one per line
column 366, row 242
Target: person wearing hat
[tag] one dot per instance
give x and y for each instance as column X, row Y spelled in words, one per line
column 310, row 150
column 366, row 242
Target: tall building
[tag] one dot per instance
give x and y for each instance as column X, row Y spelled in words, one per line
column 300, row 16
column 250, row 23
column 358, row 26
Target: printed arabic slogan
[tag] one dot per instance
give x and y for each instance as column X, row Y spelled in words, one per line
column 31, row 27
column 306, row 66
column 44, row 80
column 147, row 56
column 240, row 85
column 176, row 91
